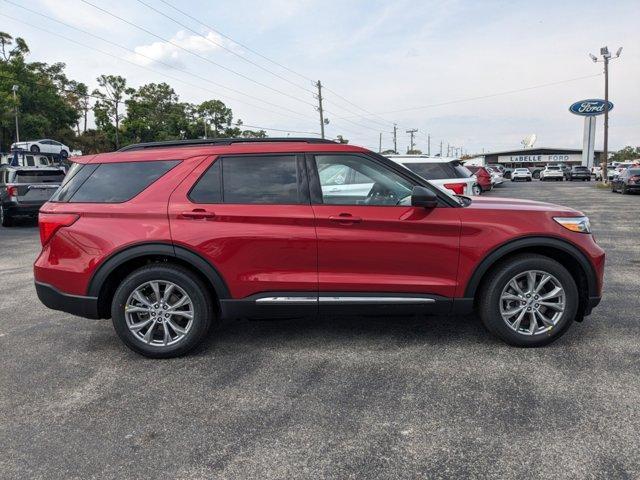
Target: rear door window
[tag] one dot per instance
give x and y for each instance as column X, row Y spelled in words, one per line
column 269, row 180
column 110, row 182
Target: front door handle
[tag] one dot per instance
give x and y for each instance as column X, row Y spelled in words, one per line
column 197, row 214
column 345, row 219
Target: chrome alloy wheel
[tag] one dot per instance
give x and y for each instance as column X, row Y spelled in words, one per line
column 159, row 313
column 532, row 302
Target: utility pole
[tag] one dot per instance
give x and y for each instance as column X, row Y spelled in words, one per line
column 380, row 143
column 205, row 127
column 411, row 133
column 429, row 144
column 440, row 148
column 606, row 56
column 15, row 110
column 448, row 150
column 319, row 85
column 395, row 138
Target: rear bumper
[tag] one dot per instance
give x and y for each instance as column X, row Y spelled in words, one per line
column 17, row 209
column 74, row 304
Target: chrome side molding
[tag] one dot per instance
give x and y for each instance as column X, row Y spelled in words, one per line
column 333, row 300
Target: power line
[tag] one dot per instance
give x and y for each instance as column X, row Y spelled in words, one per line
column 481, row 97
column 208, row 60
column 152, row 59
column 264, row 57
column 223, row 47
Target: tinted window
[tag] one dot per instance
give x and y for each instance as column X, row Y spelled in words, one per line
column 38, row 176
column 633, row 171
column 110, row 182
column 267, row 179
column 209, row 188
column 432, row 171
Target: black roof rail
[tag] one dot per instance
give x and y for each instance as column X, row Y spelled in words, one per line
column 218, row 141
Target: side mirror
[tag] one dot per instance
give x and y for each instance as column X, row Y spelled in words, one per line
column 423, row 197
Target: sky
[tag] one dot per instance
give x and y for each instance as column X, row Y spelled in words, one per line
column 476, row 75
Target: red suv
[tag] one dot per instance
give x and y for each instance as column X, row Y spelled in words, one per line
column 168, row 239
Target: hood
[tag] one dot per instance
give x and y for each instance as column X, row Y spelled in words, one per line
column 493, row 203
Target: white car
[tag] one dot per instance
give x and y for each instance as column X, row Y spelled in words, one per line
column 448, row 174
column 496, row 175
column 43, row 146
column 552, row 172
column 521, row 174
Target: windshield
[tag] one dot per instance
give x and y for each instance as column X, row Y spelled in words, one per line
column 522, row 170
column 553, row 168
column 581, row 168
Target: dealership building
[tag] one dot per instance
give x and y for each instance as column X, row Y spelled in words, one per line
column 538, row 157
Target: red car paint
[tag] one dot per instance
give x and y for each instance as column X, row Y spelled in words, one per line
column 297, row 248
column 483, row 177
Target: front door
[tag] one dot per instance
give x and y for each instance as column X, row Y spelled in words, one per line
column 371, row 240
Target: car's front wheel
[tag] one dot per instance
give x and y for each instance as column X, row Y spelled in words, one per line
column 528, row 301
column 162, row 311
column 35, row 149
column 64, row 154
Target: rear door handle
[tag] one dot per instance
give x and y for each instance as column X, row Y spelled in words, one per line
column 197, row 214
column 345, row 219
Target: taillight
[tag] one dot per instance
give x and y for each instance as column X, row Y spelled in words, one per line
column 50, row 223
column 12, row 191
column 458, row 188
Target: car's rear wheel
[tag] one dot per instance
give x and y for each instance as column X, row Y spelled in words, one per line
column 162, row 311
column 476, row 190
column 528, row 301
column 35, row 149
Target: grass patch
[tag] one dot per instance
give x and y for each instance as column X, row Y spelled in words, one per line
column 603, row 186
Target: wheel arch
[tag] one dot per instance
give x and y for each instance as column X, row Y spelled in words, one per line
column 567, row 254
column 110, row 273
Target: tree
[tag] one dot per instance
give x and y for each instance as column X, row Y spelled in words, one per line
column 341, row 139
column 218, row 115
column 19, row 50
column 108, row 109
column 627, row 153
column 415, row 151
column 42, row 105
column 389, row 152
column 92, row 141
column 154, row 113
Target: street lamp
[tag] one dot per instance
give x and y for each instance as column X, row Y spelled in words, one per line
column 606, row 57
column 14, row 88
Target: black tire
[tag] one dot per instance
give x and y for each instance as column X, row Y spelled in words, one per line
column 5, row 219
column 34, row 149
column 624, row 190
column 203, row 311
column 528, row 179
column 64, row 154
column 495, row 282
column 613, row 188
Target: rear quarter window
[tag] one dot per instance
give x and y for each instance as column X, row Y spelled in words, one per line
column 110, row 182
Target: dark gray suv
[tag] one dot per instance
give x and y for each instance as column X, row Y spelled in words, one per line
column 23, row 190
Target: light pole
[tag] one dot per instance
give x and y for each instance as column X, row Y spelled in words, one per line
column 14, row 88
column 606, row 56
column 412, row 133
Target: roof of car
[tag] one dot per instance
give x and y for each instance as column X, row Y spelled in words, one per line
column 177, row 150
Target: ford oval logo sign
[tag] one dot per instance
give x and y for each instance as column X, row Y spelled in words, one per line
column 589, row 108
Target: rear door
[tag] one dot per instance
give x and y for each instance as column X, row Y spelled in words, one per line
column 250, row 217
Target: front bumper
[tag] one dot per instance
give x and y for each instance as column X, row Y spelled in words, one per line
column 74, row 304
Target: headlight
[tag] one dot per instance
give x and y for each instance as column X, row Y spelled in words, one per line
column 575, row 224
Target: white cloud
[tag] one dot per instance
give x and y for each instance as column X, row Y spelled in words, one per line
column 173, row 51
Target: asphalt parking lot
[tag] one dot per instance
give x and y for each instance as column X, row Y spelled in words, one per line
column 335, row 398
